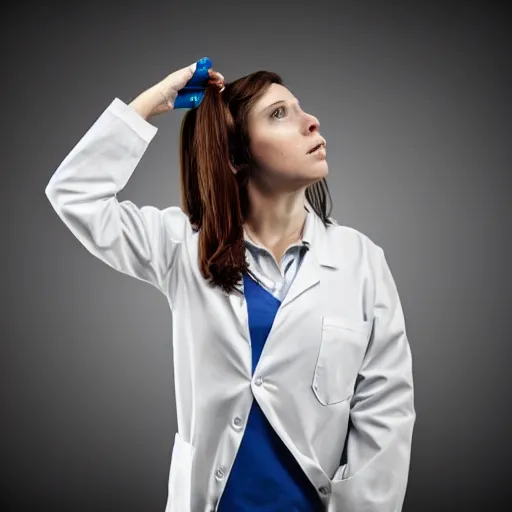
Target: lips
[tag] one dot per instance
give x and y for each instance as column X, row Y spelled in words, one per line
column 317, row 146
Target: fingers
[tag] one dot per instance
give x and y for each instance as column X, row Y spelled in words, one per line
column 215, row 74
column 216, row 78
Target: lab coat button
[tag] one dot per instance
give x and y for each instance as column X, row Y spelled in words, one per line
column 324, row 490
column 258, row 381
column 219, row 474
column 237, row 422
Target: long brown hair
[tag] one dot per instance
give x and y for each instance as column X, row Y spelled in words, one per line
column 215, row 200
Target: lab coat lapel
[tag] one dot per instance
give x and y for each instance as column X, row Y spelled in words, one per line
column 307, row 276
column 318, row 255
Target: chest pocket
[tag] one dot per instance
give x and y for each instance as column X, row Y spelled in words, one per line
column 342, row 350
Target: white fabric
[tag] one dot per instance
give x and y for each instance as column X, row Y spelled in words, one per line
column 336, row 369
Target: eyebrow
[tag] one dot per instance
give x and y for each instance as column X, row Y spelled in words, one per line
column 279, row 102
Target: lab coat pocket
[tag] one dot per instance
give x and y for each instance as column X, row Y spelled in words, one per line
column 342, row 348
column 180, row 474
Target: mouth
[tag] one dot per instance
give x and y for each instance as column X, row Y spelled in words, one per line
column 322, row 145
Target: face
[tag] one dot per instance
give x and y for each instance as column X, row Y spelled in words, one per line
column 282, row 135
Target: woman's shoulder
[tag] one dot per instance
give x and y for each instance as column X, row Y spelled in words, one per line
column 349, row 235
column 176, row 223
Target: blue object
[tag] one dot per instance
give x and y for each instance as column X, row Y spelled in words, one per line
column 265, row 476
column 192, row 94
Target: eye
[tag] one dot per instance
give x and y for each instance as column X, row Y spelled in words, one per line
column 277, row 110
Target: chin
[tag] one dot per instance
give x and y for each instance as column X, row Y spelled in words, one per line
column 310, row 180
column 309, row 176
column 318, row 172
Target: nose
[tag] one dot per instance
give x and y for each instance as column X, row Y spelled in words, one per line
column 313, row 123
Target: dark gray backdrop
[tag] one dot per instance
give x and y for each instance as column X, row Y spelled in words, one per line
column 414, row 103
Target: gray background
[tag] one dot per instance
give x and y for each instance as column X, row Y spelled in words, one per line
column 414, row 103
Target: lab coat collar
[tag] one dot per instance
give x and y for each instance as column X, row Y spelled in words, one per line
column 314, row 236
column 318, row 238
column 320, row 254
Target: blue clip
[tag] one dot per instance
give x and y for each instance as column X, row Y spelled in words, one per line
column 192, row 94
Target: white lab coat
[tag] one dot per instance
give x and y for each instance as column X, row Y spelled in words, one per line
column 337, row 351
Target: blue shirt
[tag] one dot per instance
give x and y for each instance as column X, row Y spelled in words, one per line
column 265, row 476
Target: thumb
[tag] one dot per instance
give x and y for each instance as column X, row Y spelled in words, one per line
column 200, row 73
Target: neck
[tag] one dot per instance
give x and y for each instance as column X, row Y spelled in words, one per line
column 273, row 220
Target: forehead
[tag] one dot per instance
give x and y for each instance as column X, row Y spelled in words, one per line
column 273, row 94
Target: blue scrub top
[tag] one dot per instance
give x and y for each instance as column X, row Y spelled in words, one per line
column 265, row 476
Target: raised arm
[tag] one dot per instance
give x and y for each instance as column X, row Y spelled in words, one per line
column 140, row 242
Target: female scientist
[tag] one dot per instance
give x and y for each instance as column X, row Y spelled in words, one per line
column 292, row 367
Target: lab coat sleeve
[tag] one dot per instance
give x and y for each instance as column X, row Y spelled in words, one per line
column 140, row 242
column 378, row 446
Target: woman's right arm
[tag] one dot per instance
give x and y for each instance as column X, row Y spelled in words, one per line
column 140, row 242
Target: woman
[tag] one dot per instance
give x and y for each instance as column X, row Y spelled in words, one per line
column 293, row 371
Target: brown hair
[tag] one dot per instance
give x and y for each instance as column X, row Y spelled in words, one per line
column 212, row 196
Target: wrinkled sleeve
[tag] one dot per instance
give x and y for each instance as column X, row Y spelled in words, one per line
column 140, row 242
column 378, row 446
